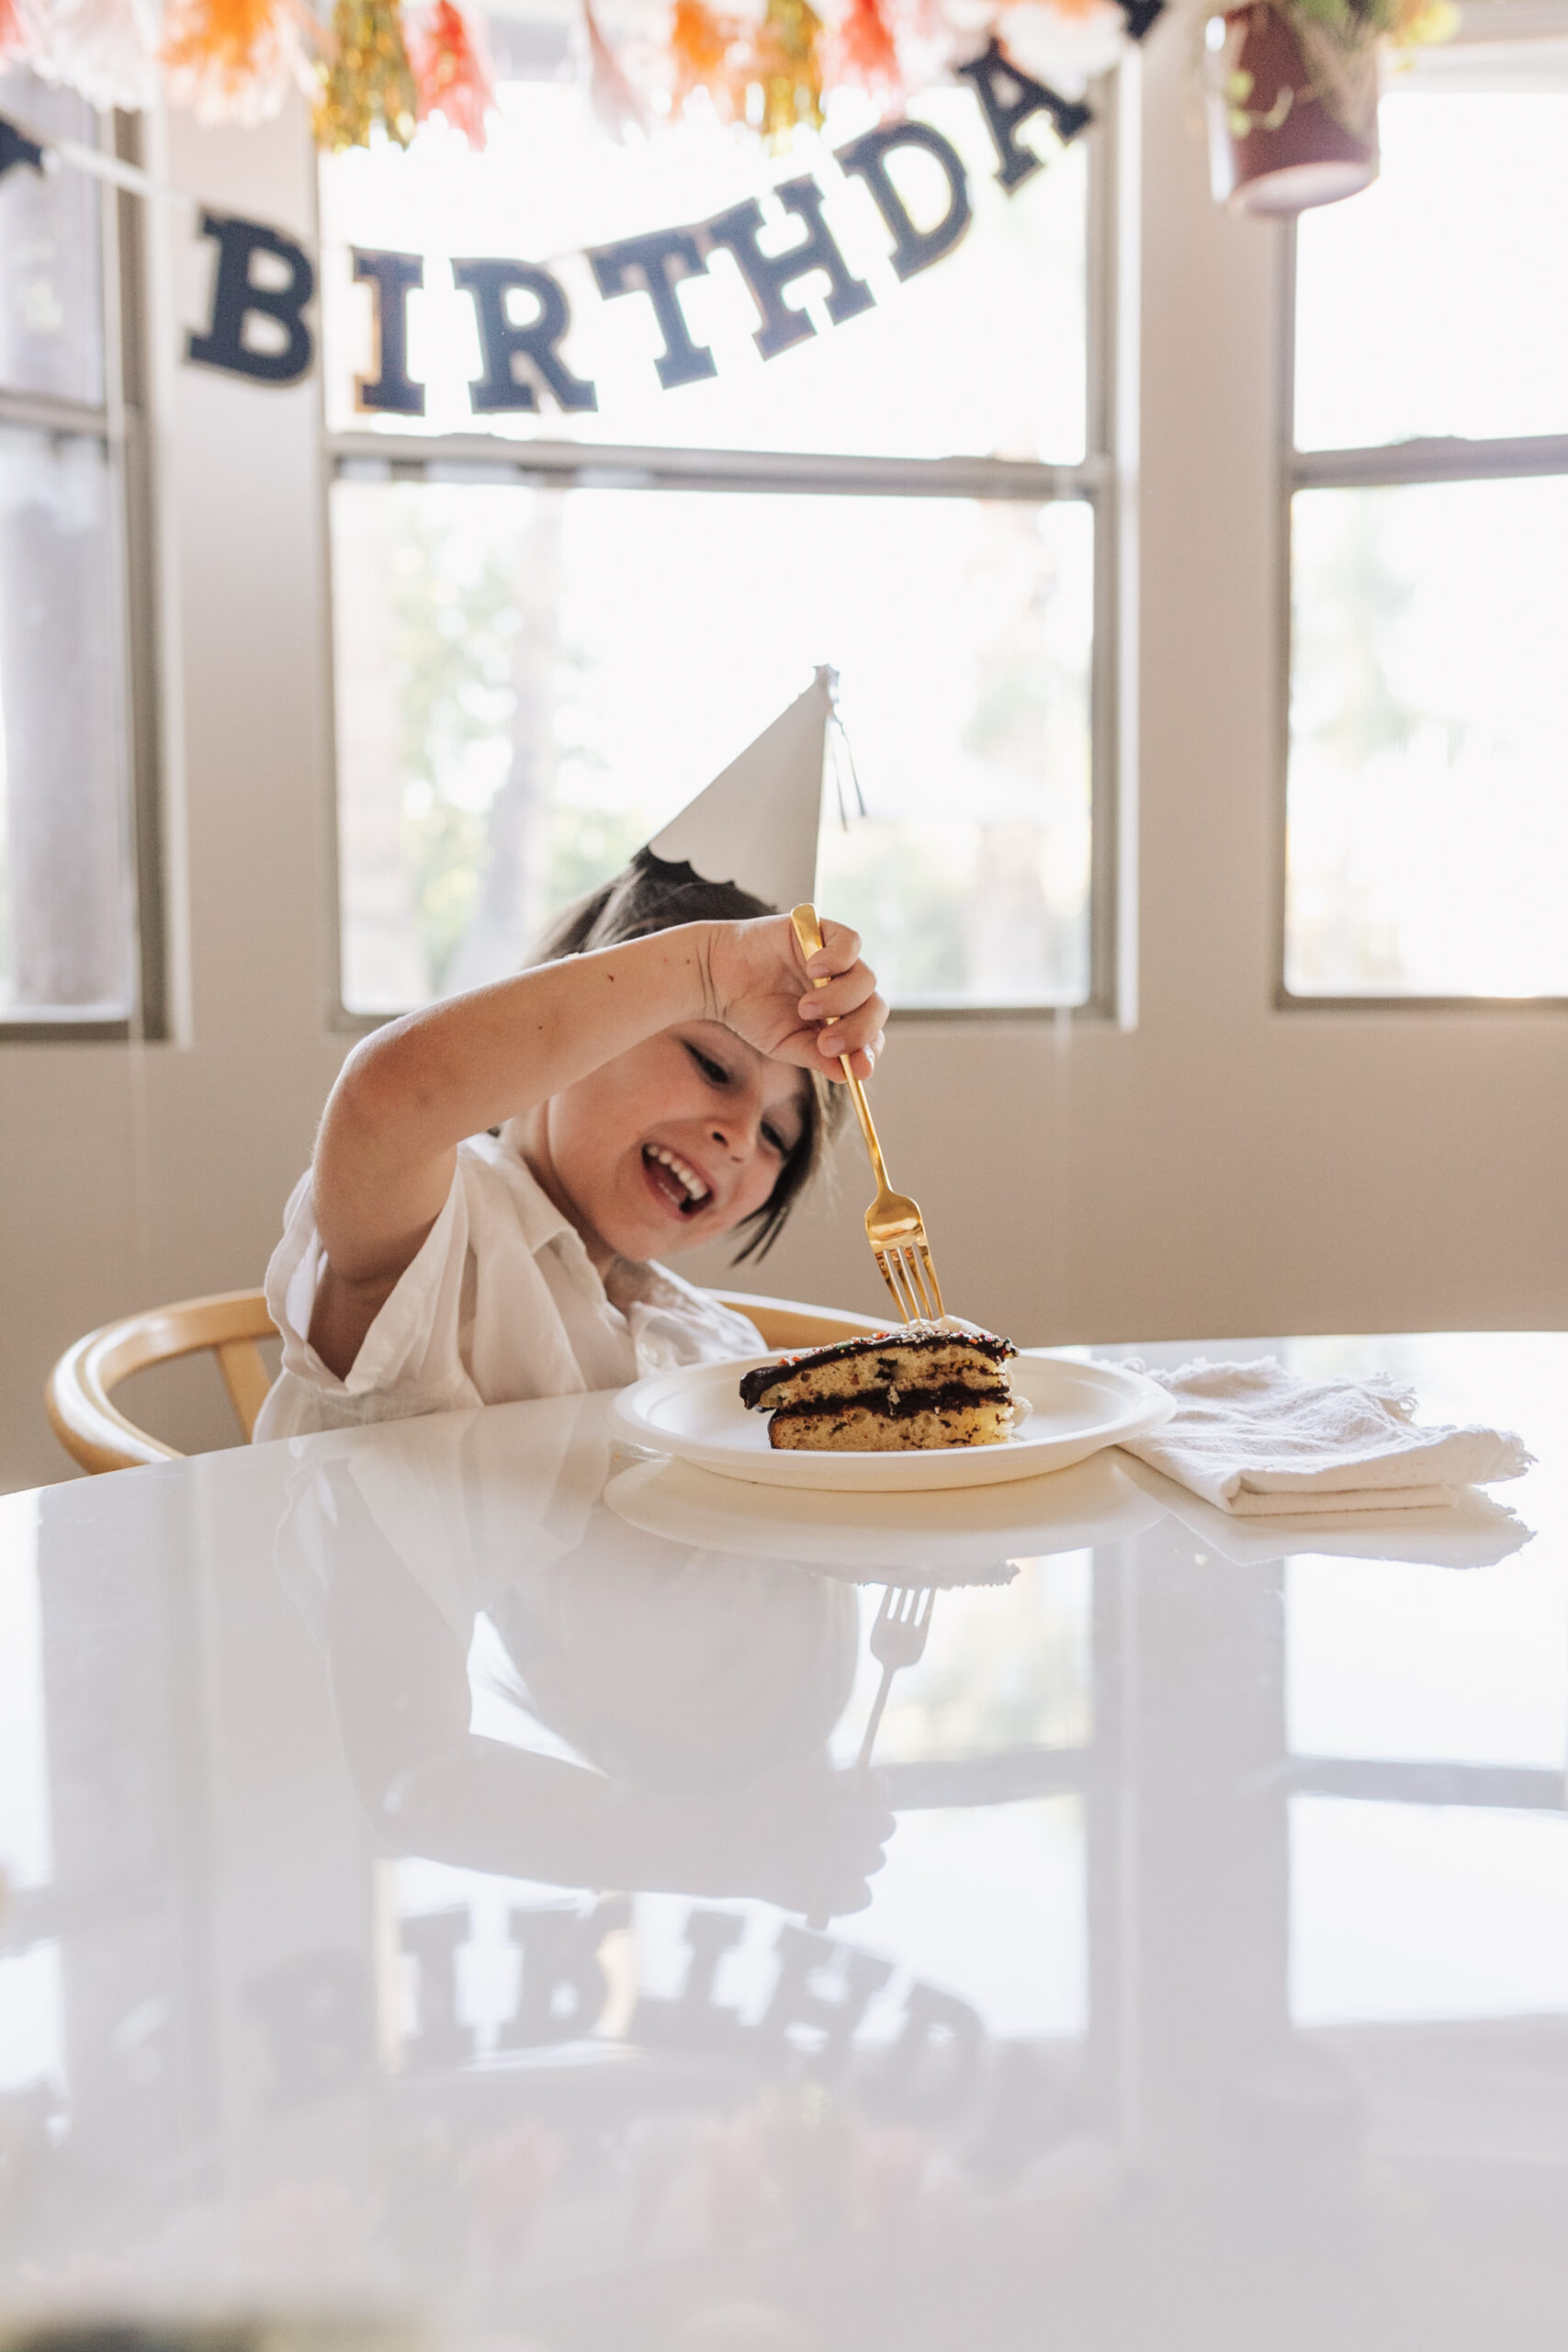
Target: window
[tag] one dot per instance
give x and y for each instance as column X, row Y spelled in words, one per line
column 76, row 869
column 552, row 628
column 1427, row 786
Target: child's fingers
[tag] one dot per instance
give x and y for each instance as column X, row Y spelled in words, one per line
column 840, row 949
column 862, row 1062
column 849, row 993
column 859, row 1039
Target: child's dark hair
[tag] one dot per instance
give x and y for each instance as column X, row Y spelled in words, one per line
column 652, row 895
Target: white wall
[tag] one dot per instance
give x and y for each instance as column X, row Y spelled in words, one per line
column 1222, row 1167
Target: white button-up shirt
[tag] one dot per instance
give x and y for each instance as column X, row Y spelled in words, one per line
column 500, row 1302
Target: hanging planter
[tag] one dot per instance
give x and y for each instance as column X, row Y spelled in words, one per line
column 1292, row 108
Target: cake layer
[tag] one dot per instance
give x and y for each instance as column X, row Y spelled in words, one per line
column 860, row 1429
column 890, row 1392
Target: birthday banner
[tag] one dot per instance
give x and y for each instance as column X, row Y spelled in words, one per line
column 266, row 280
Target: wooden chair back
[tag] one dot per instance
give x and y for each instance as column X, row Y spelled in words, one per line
column 93, row 1431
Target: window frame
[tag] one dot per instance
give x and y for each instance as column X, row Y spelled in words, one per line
column 122, row 427
column 1425, row 458
column 1097, row 480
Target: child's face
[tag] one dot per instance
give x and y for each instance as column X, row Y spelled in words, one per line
column 671, row 1144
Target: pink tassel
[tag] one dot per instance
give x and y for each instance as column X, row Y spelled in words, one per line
column 616, row 106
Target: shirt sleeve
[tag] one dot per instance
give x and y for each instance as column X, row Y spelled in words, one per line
column 409, row 1361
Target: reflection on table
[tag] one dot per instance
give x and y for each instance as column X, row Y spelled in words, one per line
column 439, row 1872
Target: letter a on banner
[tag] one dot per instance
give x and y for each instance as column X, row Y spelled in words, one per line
column 237, row 296
column 1007, row 97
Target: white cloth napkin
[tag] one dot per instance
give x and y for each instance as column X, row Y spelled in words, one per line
column 1258, row 1441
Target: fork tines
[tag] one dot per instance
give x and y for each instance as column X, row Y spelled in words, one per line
column 907, row 1270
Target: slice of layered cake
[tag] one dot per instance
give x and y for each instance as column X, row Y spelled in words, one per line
column 923, row 1385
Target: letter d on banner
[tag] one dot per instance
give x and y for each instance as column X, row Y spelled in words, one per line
column 236, row 297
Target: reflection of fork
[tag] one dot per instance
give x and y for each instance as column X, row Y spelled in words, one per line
column 898, row 1639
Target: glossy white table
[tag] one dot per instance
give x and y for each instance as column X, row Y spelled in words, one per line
column 438, row 1886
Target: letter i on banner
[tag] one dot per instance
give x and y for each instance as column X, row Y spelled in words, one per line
column 394, row 278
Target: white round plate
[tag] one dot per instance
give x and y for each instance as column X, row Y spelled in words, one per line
column 966, row 1535
column 696, row 1414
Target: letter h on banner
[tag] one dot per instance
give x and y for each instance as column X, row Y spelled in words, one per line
column 768, row 275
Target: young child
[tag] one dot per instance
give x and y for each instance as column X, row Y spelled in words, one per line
column 497, row 1176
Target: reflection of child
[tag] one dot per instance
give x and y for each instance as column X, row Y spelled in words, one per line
column 686, row 1698
column 496, row 1176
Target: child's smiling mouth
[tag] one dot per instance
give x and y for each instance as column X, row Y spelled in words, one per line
column 674, row 1181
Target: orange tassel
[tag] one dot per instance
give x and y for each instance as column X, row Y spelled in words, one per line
column 702, row 47
column 234, row 60
column 866, row 51
column 451, row 72
column 10, row 27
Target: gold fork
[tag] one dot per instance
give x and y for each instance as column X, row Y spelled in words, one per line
column 893, row 1225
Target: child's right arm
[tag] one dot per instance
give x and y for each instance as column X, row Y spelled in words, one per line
column 410, row 1094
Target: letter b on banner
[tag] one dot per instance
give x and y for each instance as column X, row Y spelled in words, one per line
column 237, row 296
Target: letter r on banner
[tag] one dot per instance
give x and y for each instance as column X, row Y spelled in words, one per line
column 502, row 339
column 236, row 297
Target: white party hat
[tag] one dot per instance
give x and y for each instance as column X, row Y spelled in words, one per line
column 756, row 824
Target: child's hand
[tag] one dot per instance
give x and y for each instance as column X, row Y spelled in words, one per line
column 759, row 986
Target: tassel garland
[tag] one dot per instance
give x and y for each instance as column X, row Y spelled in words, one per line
column 618, row 108
column 704, row 47
column 368, row 78
column 234, row 60
column 866, row 51
column 788, row 69
column 451, row 72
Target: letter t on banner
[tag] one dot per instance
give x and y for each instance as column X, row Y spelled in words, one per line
column 236, row 297
column 767, row 275
column 654, row 266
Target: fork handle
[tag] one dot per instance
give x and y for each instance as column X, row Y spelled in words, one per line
column 809, row 933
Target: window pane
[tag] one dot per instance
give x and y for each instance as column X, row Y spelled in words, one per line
column 1426, row 1911
column 1428, row 777
column 531, row 681
column 51, row 334
column 983, row 354
column 65, row 890
column 1428, row 304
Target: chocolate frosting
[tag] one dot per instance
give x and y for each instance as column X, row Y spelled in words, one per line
column 921, row 1338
